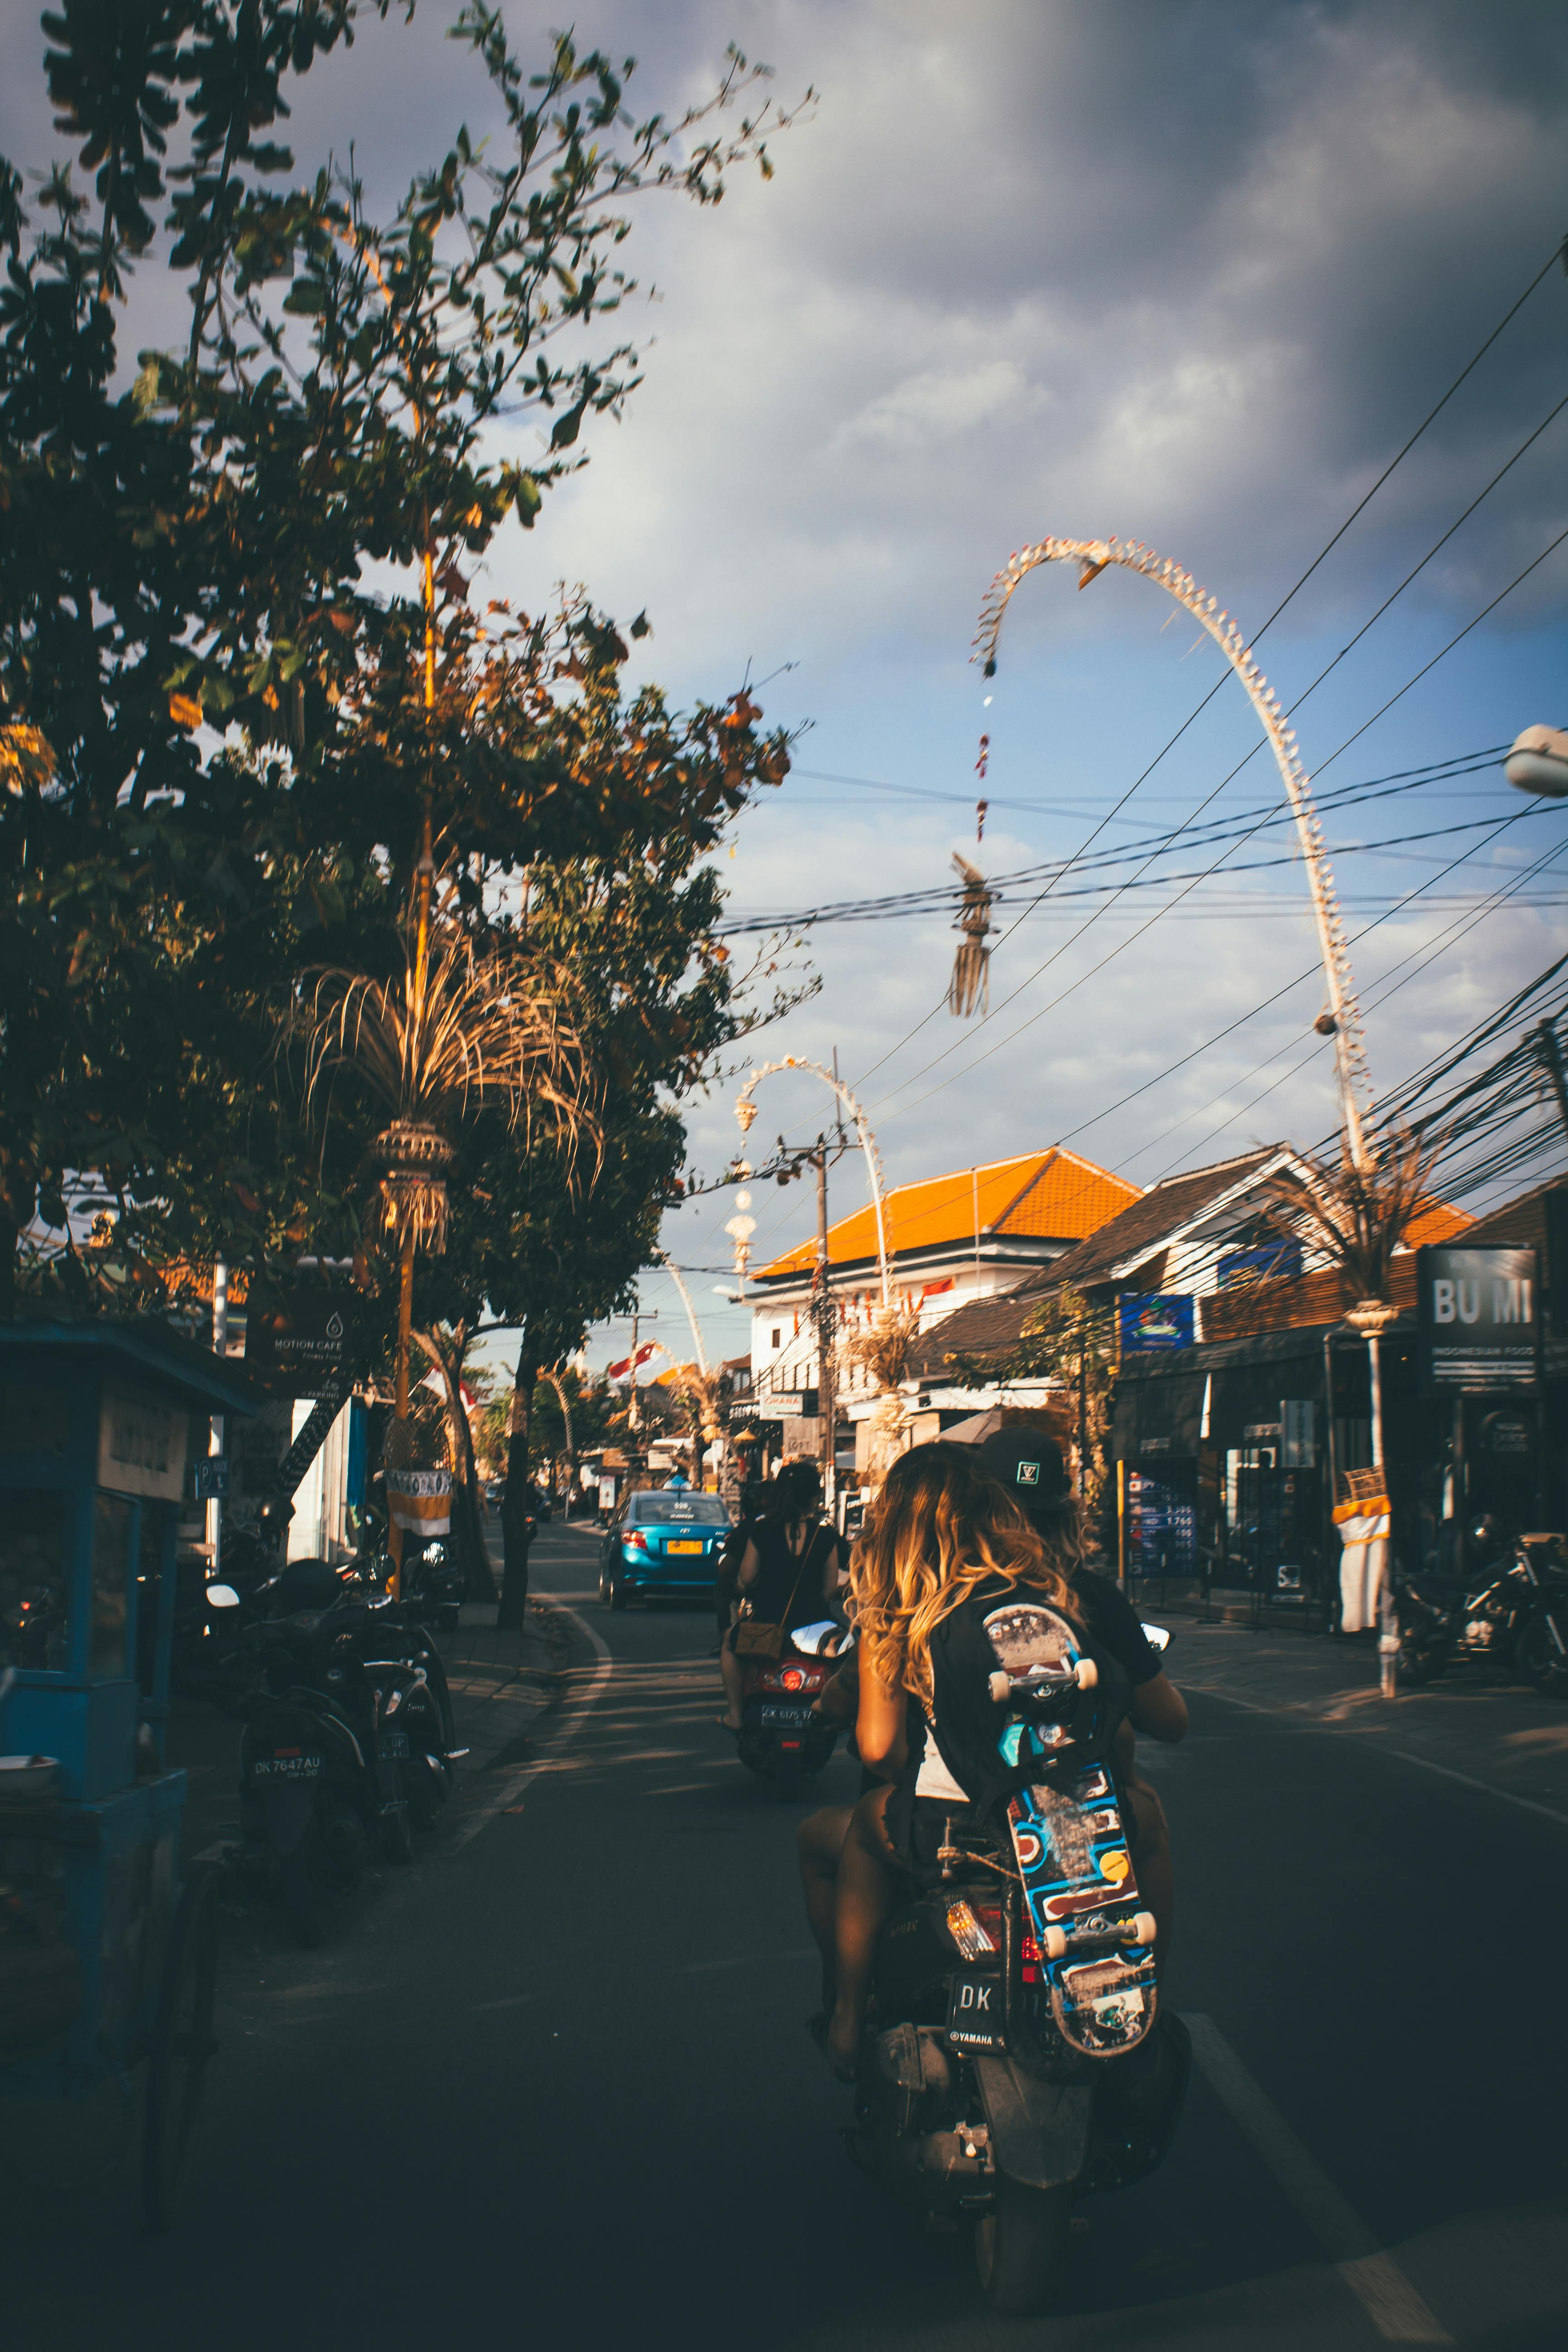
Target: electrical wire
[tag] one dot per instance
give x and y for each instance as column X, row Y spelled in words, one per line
column 1398, row 458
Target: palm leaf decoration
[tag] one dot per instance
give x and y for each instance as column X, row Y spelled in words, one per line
column 461, row 1028
column 1356, row 1216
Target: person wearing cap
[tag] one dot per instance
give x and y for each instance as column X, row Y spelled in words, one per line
column 946, row 1540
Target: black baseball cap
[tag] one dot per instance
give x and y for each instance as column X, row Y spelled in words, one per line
column 1028, row 1463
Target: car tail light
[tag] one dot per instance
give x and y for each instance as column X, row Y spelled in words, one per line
column 634, row 1540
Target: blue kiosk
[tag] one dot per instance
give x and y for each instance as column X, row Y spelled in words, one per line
column 106, row 1957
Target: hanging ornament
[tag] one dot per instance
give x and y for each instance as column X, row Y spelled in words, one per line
column 984, row 755
column 980, row 809
column 971, row 982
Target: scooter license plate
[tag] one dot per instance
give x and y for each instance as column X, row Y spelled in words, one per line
column 395, row 1743
column 795, row 1717
column 975, row 2010
column 286, row 1768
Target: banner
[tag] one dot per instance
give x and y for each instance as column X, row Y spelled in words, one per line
column 1150, row 1324
column 1478, row 1311
column 420, row 1501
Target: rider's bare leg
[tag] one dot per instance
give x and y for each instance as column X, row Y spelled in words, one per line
column 819, row 1843
column 867, row 1883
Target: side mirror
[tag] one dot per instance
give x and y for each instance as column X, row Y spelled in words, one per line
column 222, row 1596
column 808, row 1639
column 1157, row 1636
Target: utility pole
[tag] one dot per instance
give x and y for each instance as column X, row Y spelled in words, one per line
column 632, row 1401
column 827, row 1415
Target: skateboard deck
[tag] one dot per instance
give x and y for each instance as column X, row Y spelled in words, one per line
column 1095, row 1940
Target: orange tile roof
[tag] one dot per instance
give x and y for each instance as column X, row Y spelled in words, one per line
column 1049, row 1195
column 1435, row 1221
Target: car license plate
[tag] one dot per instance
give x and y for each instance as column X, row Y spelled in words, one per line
column 679, row 1543
column 286, row 1768
column 793, row 1716
column 974, row 2011
column 395, row 1743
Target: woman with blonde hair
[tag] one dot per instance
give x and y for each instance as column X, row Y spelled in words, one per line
column 945, row 1546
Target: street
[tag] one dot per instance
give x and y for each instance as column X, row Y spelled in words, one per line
column 564, row 2092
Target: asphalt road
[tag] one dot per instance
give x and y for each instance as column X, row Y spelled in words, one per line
column 556, row 2089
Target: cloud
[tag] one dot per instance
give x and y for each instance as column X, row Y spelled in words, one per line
column 1189, row 274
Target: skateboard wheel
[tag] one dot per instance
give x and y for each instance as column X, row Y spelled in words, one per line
column 1001, row 1687
column 1086, row 1674
column 1144, row 1928
column 1054, row 1943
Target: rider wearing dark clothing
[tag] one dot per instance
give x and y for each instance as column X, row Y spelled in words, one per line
column 790, row 1586
column 753, row 1501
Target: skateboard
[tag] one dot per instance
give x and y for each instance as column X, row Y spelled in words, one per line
column 1096, row 1942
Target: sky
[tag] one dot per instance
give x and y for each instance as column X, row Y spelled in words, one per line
column 1191, row 274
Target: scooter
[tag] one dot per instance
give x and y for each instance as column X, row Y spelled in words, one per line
column 971, row 2105
column 348, row 1748
column 783, row 1739
column 1510, row 1611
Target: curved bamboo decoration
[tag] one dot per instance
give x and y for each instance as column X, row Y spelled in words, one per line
column 1092, row 556
column 746, row 1110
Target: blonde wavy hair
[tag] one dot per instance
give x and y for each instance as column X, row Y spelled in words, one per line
column 940, row 1529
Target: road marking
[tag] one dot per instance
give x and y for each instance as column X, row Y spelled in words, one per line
column 1372, row 2276
column 1405, row 1755
column 511, row 1785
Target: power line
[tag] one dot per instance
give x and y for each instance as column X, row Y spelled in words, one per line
column 1393, row 699
column 1359, row 509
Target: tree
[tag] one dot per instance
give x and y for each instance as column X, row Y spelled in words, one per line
column 1069, row 1341
column 207, row 548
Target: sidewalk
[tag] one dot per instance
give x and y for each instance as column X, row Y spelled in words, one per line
column 1502, row 1734
column 502, row 1683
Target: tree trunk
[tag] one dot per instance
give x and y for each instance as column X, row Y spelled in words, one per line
column 468, row 1522
column 515, row 1539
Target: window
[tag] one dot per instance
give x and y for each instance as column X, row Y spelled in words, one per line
column 778, row 1335
column 662, row 1508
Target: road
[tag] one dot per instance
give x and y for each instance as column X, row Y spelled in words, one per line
column 556, row 2088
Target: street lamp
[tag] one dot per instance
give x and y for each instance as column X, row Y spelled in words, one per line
column 1539, row 761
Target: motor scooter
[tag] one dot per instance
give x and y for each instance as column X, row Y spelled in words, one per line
column 972, row 2105
column 1508, row 1611
column 783, row 1739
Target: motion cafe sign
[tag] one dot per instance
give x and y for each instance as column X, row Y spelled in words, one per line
column 1479, row 1317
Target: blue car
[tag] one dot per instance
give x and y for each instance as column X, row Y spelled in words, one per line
column 664, row 1540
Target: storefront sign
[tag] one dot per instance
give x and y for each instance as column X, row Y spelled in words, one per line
column 298, row 1341
column 1162, row 1525
column 1238, row 1268
column 142, row 1445
column 1479, row 1317
column 1150, row 1324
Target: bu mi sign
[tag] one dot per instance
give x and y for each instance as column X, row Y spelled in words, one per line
column 1479, row 1317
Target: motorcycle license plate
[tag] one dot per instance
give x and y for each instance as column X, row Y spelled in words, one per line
column 974, row 2011
column 395, row 1743
column 793, row 1716
column 676, row 1544
column 286, row 1768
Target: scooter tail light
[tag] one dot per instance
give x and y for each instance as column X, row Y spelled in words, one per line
column 967, row 1933
column 792, row 1678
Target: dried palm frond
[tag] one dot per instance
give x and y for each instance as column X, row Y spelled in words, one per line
column 883, row 1348
column 1356, row 1216
column 698, row 1389
column 971, row 982
column 467, row 1030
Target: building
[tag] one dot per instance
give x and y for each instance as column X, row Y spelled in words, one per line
column 971, row 1235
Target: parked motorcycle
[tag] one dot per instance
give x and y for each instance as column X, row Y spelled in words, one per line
column 1508, row 1611
column 348, row 1748
column 971, row 2107
column 782, row 1740
column 434, row 1585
